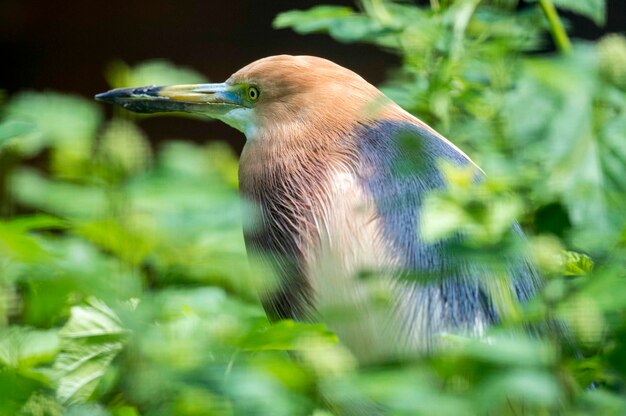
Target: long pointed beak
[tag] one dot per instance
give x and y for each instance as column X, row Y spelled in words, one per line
column 210, row 99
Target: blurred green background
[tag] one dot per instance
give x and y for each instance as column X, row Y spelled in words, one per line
column 124, row 284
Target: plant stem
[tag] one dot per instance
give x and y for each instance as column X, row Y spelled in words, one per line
column 556, row 27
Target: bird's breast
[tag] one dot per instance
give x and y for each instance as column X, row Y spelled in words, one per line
column 321, row 229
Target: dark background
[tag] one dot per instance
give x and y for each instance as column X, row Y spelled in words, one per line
column 65, row 46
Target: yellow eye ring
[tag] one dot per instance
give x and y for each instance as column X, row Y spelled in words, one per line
column 253, row 93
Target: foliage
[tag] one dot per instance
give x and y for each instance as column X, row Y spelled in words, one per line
column 124, row 285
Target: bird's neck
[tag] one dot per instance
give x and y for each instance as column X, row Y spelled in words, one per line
column 301, row 144
column 285, row 178
column 291, row 149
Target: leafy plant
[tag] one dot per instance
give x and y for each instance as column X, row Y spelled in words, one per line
column 124, row 285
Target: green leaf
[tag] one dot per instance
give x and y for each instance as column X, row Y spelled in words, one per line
column 61, row 120
column 32, row 189
column 37, row 222
column 95, row 320
column 17, row 244
column 603, row 402
column 131, row 241
column 441, row 218
column 154, row 72
column 288, row 335
column 530, row 387
column 124, row 147
column 90, row 409
column 23, row 354
column 23, row 348
column 564, row 119
column 612, row 62
column 593, row 9
column 315, row 19
column 15, row 391
column 506, row 349
column 42, row 404
column 90, row 340
column 576, row 264
column 342, row 23
column 480, row 210
column 13, row 128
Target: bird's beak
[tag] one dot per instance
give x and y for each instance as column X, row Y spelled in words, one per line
column 209, row 99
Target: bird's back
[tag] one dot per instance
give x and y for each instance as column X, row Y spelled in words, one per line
column 445, row 291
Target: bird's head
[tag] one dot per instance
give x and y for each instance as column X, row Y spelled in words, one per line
column 273, row 95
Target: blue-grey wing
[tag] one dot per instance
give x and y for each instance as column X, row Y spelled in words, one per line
column 399, row 165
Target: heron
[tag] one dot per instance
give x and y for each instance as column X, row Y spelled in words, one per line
column 319, row 162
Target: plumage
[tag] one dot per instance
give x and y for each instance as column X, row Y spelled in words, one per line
column 321, row 163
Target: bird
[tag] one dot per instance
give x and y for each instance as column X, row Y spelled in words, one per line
column 334, row 214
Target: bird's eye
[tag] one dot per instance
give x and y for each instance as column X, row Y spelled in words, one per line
column 253, row 93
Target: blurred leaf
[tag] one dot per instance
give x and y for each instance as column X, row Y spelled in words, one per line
column 41, row 404
column 441, row 218
column 581, row 163
column 87, row 410
column 340, row 22
column 16, row 390
column 585, row 318
column 576, row 264
column 124, row 147
column 37, row 222
column 74, row 271
column 89, row 341
column 95, row 320
column 131, row 241
column 397, row 390
column 12, row 128
column 155, row 72
column 61, row 198
column 605, row 289
column 600, row 401
column 16, row 244
column 612, row 57
column 288, row 335
column 482, row 214
column 23, row 354
column 507, row 349
column 62, row 121
column 225, row 162
column 530, row 387
column 316, row 19
column 24, row 348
